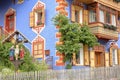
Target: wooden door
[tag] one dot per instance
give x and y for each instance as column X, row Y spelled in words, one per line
column 99, row 59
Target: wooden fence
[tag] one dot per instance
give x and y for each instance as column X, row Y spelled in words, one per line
column 108, row 73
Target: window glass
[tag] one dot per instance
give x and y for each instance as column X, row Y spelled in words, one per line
column 114, row 56
column 108, row 18
column 92, row 16
column 101, row 16
column 113, row 20
column 77, row 16
column 80, row 56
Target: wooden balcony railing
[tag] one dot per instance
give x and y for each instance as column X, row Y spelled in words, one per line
column 110, row 3
column 104, row 33
column 84, row 1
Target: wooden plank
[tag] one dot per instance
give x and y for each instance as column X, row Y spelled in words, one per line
column 86, row 55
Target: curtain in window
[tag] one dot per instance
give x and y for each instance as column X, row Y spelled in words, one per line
column 113, row 20
column 101, row 16
column 92, row 16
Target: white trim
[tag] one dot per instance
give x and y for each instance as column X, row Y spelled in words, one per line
column 34, row 40
column 81, row 16
column 37, row 3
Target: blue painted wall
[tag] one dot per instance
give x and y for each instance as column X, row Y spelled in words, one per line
column 22, row 21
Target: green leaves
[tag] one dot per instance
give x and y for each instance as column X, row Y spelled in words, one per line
column 72, row 35
column 86, row 37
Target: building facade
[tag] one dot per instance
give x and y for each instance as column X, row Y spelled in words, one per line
column 33, row 18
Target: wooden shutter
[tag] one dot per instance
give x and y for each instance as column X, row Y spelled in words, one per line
column 92, row 58
column 32, row 19
column 72, row 13
column 85, row 16
column 86, row 55
column 111, row 60
column 118, row 56
column 43, row 15
column 107, row 59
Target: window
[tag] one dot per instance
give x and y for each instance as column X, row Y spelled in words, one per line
column 113, row 20
column 108, row 17
column 80, row 56
column 114, row 56
column 37, row 16
column 101, row 16
column 78, row 59
column 10, row 21
column 38, row 48
column 76, row 14
column 92, row 16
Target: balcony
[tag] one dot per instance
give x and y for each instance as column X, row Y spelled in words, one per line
column 104, row 33
column 84, row 1
column 110, row 3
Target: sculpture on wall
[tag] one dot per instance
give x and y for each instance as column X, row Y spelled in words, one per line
column 16, row 52
column 11, row 53
column 22, row 53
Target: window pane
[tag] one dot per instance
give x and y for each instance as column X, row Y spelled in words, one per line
column 114, row 55
column 77, row 16
column 40, row 46
column 92, row 16
column 39, row 18
column 101, row 16
column 35, row 52
column 108, row 17
column 35, row 47
column 113, row 20
column 80, row 56
column 40, row 52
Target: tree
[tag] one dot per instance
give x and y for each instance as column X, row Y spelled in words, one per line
column 72, row 35
column 87, row 37
column 4, row 56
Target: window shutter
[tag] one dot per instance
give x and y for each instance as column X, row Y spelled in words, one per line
column 107, row 59
column 118, row 56
column 72, row 13
column 92, row 58
column 43, row 15
column 32, row 19
column 86, row 55
column 111, row 61
column 85, row 16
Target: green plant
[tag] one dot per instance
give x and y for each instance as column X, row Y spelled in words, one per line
column 4, row 56
column 111, row 27
column 30, row 64
column 72, row 35
column 68, row 66
column 87, row 37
